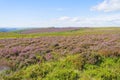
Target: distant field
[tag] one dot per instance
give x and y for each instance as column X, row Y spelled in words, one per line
column 82, row 54
column 43, row 30
column 82, row 31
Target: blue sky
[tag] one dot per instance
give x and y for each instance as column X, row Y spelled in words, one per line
column 59, row 13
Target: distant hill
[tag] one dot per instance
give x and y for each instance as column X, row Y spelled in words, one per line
column 42, row 30
column 7, row 29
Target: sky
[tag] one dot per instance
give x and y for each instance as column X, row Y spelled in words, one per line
column 59, row 13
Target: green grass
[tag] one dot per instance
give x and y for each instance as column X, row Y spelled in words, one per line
column 84, row 31
column 71, row 67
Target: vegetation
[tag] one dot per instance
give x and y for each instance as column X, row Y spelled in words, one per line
column 86, row 54
column 71, row 67
column 83, row 31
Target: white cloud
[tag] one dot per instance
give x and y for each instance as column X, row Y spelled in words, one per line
column 107, row 6
column 66, row 21
column 103, row 20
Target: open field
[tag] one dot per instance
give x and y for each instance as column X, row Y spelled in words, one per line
column 84, row 54
column 83, row 31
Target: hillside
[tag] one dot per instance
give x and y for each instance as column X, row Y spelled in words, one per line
column 7, row 29
column 83, row 54
column 44, row 30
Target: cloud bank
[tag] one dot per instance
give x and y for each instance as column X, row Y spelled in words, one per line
column 107, row 6
column 101, row 20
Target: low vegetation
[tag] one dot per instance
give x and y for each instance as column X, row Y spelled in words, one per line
column 71, row 67
column 86, row 54
column 82, row 31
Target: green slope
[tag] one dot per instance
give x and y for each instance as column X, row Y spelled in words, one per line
column 85, row 31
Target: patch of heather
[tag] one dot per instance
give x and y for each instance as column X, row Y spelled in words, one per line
column 43, row 30
column 25, row 51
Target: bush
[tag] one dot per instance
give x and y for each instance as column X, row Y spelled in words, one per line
column 91, row 57
column 71, row 67
column 63, row 74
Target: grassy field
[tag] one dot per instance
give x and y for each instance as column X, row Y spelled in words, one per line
column 84, row 31
column 84, row 54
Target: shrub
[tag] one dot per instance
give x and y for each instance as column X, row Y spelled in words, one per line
column 63, row 74
column 91, row 57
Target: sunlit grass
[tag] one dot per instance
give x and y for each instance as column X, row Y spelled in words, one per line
column 84, row 31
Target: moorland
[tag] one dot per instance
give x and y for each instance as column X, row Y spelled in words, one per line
column 71, row 54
